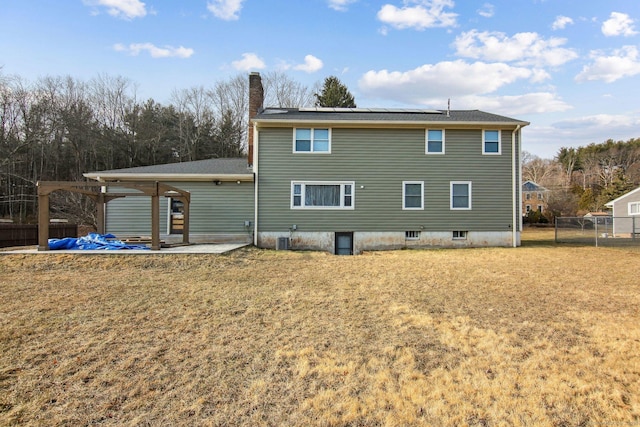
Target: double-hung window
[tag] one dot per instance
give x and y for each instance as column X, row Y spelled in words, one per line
column 491, row 142
column 461, row 195
column 435, row 141
column 311, row 140
column 322, row 195
column 634, row 208
column 412, row 195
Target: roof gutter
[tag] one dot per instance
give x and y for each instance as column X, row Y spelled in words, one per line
column 368, row 123
column 177, row 177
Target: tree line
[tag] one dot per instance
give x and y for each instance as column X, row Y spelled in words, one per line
column 584, row 179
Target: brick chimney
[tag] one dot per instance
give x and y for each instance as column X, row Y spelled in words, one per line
column 256, row 99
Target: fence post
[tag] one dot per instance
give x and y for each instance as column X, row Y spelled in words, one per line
column 633, row 228
column 555, row 221
column 596, row 232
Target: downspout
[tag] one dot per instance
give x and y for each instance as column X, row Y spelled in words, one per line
column 516, row 195
column 255, row 184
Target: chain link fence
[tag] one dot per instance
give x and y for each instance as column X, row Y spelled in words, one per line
column 598, row 230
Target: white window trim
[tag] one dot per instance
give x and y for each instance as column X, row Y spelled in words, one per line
column 484, row 131
column 451, row 184
column 312, row 139
column 426, row 143
column 461, row 235
column 404, row 186
column 342, row 195
column 632, row 204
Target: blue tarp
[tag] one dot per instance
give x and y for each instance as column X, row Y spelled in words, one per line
column 92, row 241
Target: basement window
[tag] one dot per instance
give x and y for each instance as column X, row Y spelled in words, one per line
column 412, row 235
column 459, row 235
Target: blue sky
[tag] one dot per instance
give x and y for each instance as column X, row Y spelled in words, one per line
column 570, row 67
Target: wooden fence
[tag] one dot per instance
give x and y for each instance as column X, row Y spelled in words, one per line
column 27, row 234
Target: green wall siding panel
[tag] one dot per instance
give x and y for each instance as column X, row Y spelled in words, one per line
column 380, row 160
column 214, row 209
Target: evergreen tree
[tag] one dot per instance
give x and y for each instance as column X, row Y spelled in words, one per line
column 334, row 94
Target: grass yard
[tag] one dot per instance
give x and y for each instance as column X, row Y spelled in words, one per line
column 539, row 335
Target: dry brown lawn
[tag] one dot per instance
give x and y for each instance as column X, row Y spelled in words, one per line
column 539, row 335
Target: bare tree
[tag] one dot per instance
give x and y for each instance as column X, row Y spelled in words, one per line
column 283, row 92
column 112, row 98
column 195, row 117
column 537, row 169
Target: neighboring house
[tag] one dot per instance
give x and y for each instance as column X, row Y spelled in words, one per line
column 534, row 197
column 354, row 179
column 221, row 207
column 626, row 214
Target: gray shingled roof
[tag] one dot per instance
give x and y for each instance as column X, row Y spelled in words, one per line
column 532, row 186
column 382, row 114
column 209, row 166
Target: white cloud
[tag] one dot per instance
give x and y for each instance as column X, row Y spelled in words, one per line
column 249, row 61
column 561, row 22
column 311, row 64
column 487, row 10
column 546, row 139
column 515, row 105
column 522, row 48
column 623, row 62
column 126, row 9
column 599, row 121
column 227, row 10
column 619, row 24
column 340, row 5
column 469, row 86
column 134, row 49
column 444, row 79
column 423, row 14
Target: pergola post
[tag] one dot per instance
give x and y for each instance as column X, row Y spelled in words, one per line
column 155, row 218
column 100, row 213
column 43, row 222
column 185, row 225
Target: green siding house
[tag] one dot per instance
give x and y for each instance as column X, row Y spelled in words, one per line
column 347, row 180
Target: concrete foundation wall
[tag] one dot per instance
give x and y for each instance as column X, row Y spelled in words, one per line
column 367, row 241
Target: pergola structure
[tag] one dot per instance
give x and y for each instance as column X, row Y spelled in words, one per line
column 99, row 192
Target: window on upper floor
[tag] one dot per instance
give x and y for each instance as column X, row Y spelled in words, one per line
column 322, row 195
column 435, row 141
column 634, row 208
column 491, row 142
column 460, row 195
column 528, row 196
column 539, row 196
column 412, row 195
column 311, row 140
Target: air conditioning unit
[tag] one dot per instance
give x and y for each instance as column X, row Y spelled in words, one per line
column 283, row 244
